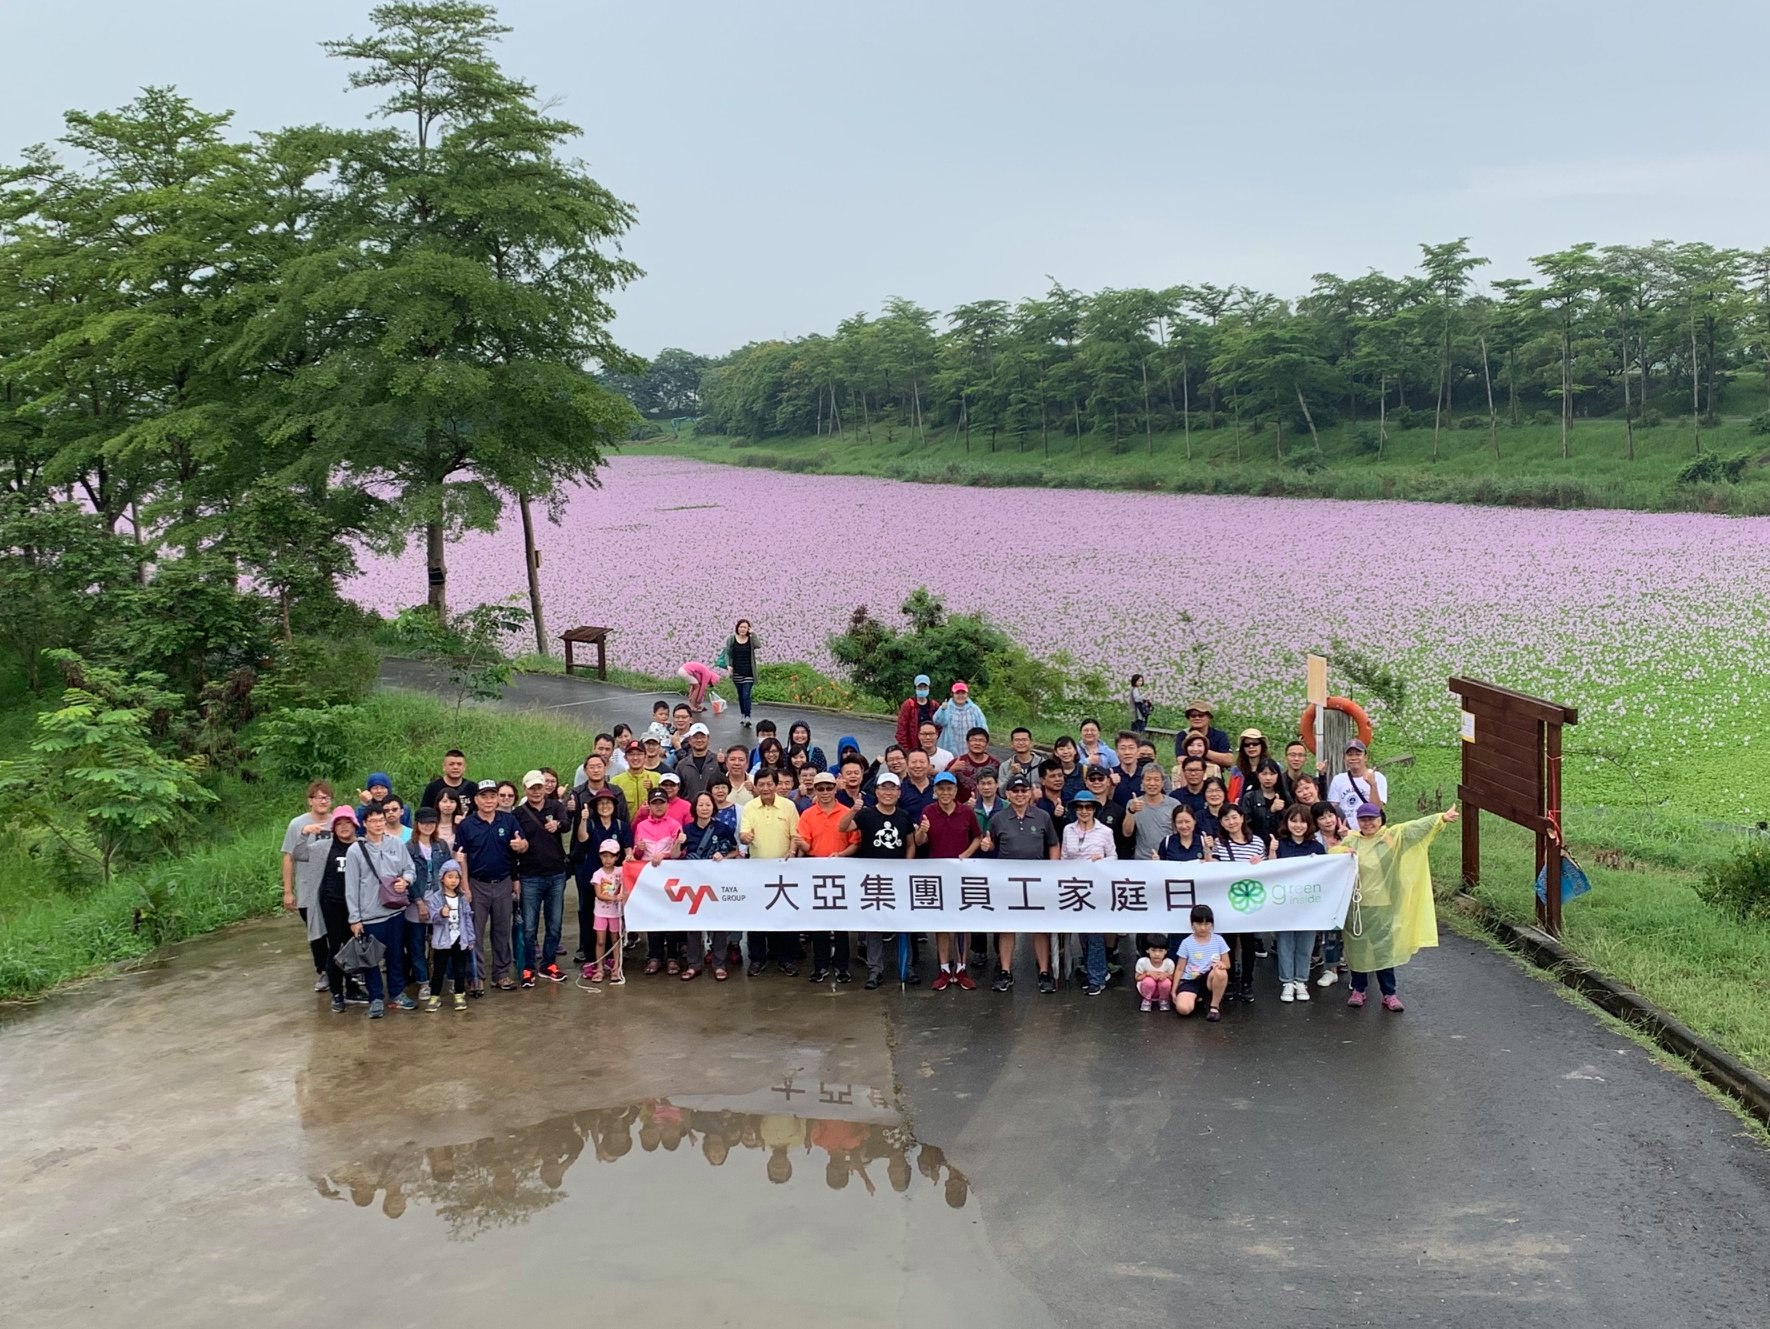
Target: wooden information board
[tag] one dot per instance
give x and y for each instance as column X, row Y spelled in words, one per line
column 1512, row 768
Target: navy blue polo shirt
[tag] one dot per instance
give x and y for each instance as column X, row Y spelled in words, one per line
column 486, row 845
column 1215, row 739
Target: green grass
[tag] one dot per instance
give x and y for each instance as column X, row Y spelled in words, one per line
column 1529, row 472
column 228, row 868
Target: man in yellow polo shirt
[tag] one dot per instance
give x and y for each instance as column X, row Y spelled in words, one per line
column 766, row 826
column 820, row 835
column 636, row 782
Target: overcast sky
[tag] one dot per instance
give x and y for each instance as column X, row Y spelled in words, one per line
column 795, row 162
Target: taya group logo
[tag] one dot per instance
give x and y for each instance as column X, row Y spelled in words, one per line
column 696, row 896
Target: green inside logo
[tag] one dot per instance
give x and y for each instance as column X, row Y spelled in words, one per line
column 1246, row 896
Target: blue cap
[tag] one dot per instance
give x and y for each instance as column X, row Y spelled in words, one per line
column 1082, row 796
column 946, row 777
column 922, row 681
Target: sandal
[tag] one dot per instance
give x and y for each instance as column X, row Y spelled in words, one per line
column 673, row 968
column 652, row 966
column 1213, row 1014
column 688, row 973
column 719, row 974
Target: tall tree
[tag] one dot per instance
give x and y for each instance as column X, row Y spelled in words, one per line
column 480, row 281
column 1447, row 268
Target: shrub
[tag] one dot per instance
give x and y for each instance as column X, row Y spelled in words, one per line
column 1741, row 886
column 1712, row 468
column 1472, row 422
column 1545, row 418
column 1365, row 438
column 884, row 661
column 1759, row 423
column 1652, row 419
column 1402, row 417
column 306, row 742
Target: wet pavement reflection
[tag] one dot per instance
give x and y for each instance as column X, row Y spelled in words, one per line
column 500, row 1180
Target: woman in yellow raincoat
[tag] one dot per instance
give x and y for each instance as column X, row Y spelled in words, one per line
column 1391, row 915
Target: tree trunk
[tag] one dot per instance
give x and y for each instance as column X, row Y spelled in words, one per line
column 1443, row 390
column 436, row 570
column 965, row 419
column 1493, row 423
column 866, row 416
column 1077, row 402
column 1512, row 388
column 1148, row 431
column 1566, row 387
column 916, row 390
column 531, row 558
column 1628, row 407
column 820, row 413
column 1278, row 437
column 1044, row 427
column 1382, row 416
column 1186, row 403
column 1310, row 418
column 1695, row 400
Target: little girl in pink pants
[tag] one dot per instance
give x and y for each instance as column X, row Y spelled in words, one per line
column 1155, row 976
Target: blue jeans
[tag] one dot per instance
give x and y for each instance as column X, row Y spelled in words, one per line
column 744, row 686
column 417, row 967
column 1294, row 949
column 1385, row 981
column 1330, row 949
column 534, row 891
column 1094, row 957
column 391, row 933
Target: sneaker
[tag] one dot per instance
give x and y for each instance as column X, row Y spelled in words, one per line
column 942, row 981
column 405, row 1003
column 1302, row 992
column 1164, row 1005
column 338, row 1005
column 1287, row 991
column 1260, row 951
column 1247, row 992
column 579, row 956
column 1393, row 1003
column 819, row 976
column 528, row 978
column 1091, row 990
column 1047, row 982
column 789, row 969
column 357, row 998
column 460, row 1002
column 1004, row 981
column 377, row 1009
column 872, row 982
column 755, row 970
column 1355, row 998
column 1145, row 1005
column 434, row 1003
column 965, row 982
column 320, row 984
column 1328, row 978
column 423, row 992
column 843, row 976
column 553, row 973
column 913, row 979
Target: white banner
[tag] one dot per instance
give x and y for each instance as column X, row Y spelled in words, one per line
column 988, row 895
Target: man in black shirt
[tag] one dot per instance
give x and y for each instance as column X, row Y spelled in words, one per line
column 886, row 831
column 540, row 876
column 453, row 778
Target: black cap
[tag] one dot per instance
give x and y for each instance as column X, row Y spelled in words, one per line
column 1018, row 782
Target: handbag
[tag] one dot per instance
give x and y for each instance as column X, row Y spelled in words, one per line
column 390, row 898
column 1574, row 882
column 360, row 954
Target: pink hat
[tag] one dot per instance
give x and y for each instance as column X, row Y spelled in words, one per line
column 343, row 812
column 961, row 686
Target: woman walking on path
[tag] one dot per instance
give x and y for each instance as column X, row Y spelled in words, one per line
column 1392, row 913
column 739, row 657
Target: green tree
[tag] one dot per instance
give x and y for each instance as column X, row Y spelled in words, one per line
column 478, row 281
column 1447, row 268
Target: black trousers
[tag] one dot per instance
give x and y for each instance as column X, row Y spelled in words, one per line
column 781, row 947
column 829, row 950
column 318, row 947
column 337, row 916
column 451, row 965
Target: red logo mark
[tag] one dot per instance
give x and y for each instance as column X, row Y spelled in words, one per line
column 696, row 897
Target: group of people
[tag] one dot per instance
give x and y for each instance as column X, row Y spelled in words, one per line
column 464, row 887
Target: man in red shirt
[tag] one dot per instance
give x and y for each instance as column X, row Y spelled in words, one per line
column 916, row 711
column 948, row 829
column 974, row 759
column 820, row 835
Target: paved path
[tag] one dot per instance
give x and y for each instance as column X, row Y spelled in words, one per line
column 204, row 1142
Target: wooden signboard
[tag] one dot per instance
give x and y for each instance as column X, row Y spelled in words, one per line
column 1512, row 768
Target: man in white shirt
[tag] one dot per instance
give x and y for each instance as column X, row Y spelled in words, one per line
column 1358, row 783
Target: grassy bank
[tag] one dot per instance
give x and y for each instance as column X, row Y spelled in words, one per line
column 1529, row 471
column 227, row 868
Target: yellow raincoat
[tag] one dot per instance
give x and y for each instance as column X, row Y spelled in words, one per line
column 1392, row 914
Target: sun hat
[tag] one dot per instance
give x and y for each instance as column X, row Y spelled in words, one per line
column 532, row 779
column 1199, row 706
column 1082, row 796
column 824, row 777
column 343, row 812
column 1246, row 734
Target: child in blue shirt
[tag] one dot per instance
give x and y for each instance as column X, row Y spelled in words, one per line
column 1203, row 958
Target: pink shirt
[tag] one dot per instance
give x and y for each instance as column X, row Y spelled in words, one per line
column 656, row 836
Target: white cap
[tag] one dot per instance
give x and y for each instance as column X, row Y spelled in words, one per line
column 533, row 778
column 885, row 777
column 698, row 728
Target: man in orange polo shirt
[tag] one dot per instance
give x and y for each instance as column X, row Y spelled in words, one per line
column 820, row 835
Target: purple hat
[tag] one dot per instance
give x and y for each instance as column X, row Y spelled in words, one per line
column 1369, row 810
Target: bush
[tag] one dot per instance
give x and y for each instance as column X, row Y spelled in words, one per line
column 1712, row 468
column 1652, row 419
column 1365, row 438
column 1472, row 422
column 307, row 742
column 1402, row 417
column 884, row 661
column 1309, row 461
column 1759, row 423
column 1741, row 886
column 1545, row 418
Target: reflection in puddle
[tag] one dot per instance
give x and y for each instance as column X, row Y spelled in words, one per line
column 841, row 1137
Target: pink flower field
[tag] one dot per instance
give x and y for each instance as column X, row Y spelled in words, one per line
column 1654, row 625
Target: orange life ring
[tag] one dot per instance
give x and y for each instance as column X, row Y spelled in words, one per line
column 1344, row 705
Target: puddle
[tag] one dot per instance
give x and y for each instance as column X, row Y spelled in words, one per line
column 760, row 1150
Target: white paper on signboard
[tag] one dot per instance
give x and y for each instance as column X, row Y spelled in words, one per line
column 1468, row 727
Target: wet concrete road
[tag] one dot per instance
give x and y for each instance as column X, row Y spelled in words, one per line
column 205, row 1144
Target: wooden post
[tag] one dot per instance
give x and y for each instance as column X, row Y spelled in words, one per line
column 1552, row 849
column 1471, row 847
